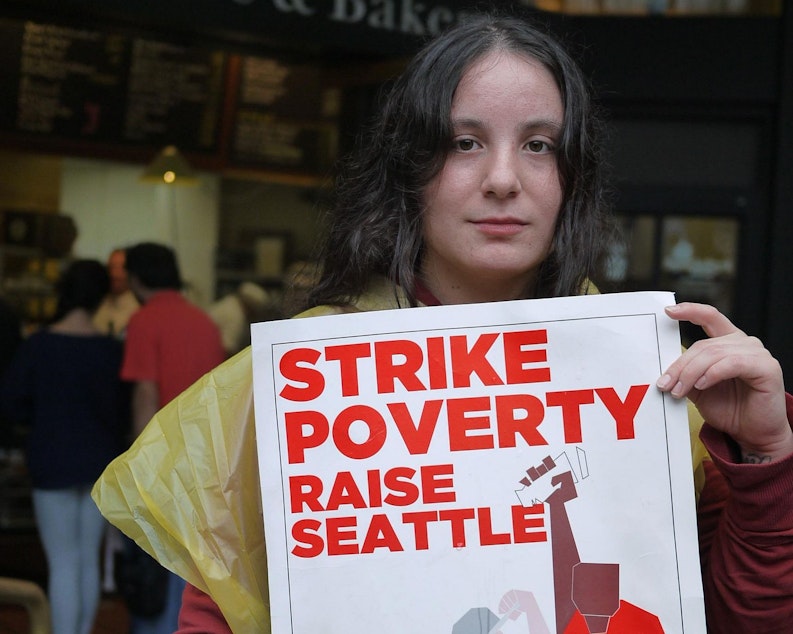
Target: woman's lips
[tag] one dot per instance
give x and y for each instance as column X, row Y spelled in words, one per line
column 499, row 226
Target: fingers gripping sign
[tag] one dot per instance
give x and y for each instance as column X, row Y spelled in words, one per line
column 735, row 383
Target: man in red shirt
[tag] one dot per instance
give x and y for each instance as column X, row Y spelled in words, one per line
column 170, row 344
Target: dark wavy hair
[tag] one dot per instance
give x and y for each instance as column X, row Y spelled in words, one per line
column 83, row 284
column 375, row 224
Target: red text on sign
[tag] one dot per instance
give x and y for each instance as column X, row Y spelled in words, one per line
column 472, row 423
column 400, row 362
column 351, row 535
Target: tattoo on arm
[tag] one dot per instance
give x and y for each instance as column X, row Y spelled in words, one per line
column 754, row 458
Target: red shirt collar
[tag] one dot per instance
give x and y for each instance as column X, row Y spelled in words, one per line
column 424, row 295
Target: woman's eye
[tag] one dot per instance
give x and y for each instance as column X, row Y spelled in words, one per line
column 466, row 145
column 539, row 147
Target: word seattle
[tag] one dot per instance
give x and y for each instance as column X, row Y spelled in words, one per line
column 359, row 431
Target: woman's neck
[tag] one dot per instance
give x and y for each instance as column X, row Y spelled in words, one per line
column 456, row 292
column 76, row 322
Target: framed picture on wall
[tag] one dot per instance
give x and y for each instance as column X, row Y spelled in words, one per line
column 269, row 255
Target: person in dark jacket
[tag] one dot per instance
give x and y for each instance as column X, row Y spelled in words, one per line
column 63, row 382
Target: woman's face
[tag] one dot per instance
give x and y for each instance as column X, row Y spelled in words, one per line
column 490, row 212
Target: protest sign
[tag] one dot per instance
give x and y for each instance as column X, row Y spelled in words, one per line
column 503, row 467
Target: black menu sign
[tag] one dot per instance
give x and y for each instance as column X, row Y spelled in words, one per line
column 74, row 83
column 284, row 119
column 174, row 94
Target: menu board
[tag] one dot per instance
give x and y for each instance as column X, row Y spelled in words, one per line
column 76, row 83
column 284, row 118
column 64, row 84
column 173, row 93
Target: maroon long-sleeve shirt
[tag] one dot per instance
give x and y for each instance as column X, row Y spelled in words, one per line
column 745, row 517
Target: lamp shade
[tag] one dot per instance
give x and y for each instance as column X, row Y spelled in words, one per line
column 169, row 167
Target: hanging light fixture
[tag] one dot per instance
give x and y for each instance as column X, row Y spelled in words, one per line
column 169, row 167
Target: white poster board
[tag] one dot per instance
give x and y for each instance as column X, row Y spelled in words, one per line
column 477, row 468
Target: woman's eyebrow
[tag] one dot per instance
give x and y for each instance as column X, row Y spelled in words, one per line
column 549, row 125
column 467, row 122
column 532, row 125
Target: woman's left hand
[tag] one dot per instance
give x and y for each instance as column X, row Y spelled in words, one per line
column 734, row 382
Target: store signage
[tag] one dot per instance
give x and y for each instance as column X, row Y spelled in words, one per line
column 75, row 83
column 405, row 16
column 377, row 26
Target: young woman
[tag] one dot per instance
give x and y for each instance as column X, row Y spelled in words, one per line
column 64, row 383
column 481, row 181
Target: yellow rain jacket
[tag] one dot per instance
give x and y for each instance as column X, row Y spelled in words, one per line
column 187, row 491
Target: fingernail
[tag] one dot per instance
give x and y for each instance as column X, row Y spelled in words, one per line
column 677, row 390
column 664, row 382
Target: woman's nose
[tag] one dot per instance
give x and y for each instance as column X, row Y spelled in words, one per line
column 502, row 176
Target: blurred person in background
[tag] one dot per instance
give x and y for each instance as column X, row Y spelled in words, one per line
column 111, row 318
column 63, row 382
column 170, row 343
column 119, row 304
column 234, row 313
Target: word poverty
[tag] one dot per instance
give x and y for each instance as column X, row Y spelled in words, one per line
column 470, row 423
